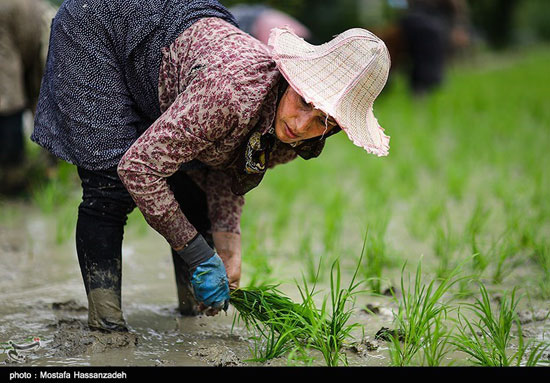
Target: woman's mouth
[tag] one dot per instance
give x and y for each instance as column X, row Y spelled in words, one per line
column 289, row 133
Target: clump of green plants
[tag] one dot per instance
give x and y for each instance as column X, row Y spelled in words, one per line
column 328, row 330
column 437, row 343
column 421, row 319
column 487, row 338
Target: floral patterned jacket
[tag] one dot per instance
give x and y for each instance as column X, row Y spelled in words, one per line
column 216, row 85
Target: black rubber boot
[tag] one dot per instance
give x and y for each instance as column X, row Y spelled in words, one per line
column 102, row 215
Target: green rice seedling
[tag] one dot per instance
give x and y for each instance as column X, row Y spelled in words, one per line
column 274, row 337
column 374, row 255
column 437, row 341
column 276, row 321
column 138, row 223
column 421, row 310
column 528, row 234
column 299, row 355
column 48, row 196
column 405, row 172
column 328, row 328
column 503, row 252
column 56, row 197
column 314, row 267
column 444, row 246
column 487, row 338
column 66, row 222
column 541, row 256
column 537, row 352
column 472, row 232
column 540, row 194
column 313, row 264
column 465, row 287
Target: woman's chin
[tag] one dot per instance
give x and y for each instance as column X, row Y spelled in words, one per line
column 281, row 137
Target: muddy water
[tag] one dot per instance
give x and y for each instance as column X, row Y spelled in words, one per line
column 41, row 295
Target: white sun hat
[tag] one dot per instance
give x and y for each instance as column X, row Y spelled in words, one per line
column 342, row 78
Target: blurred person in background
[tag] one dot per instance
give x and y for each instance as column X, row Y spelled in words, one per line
column 258, row 20
column 24, row 32
column 166, row 105
column 431, row 31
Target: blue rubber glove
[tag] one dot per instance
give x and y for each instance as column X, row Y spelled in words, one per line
column 210, row 283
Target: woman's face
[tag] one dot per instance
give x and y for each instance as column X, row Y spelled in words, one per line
column 297, row 121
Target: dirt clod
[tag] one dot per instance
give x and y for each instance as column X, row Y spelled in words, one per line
column 371, row 309
column 387, row 334
column 363, row 347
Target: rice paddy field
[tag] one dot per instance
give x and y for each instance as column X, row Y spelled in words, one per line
column 436, row 255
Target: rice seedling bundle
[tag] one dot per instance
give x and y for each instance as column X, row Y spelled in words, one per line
column 267, row 306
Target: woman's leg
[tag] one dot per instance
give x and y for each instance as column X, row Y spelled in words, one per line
column 102, row 215
column 192, row 200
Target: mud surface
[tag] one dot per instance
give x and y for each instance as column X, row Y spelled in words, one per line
column 42, row 296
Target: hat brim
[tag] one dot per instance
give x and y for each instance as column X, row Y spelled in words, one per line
column 366, row 132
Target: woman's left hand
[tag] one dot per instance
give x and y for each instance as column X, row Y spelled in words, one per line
column 228, row 247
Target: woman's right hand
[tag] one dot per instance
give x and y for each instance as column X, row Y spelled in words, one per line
column 210, row 285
